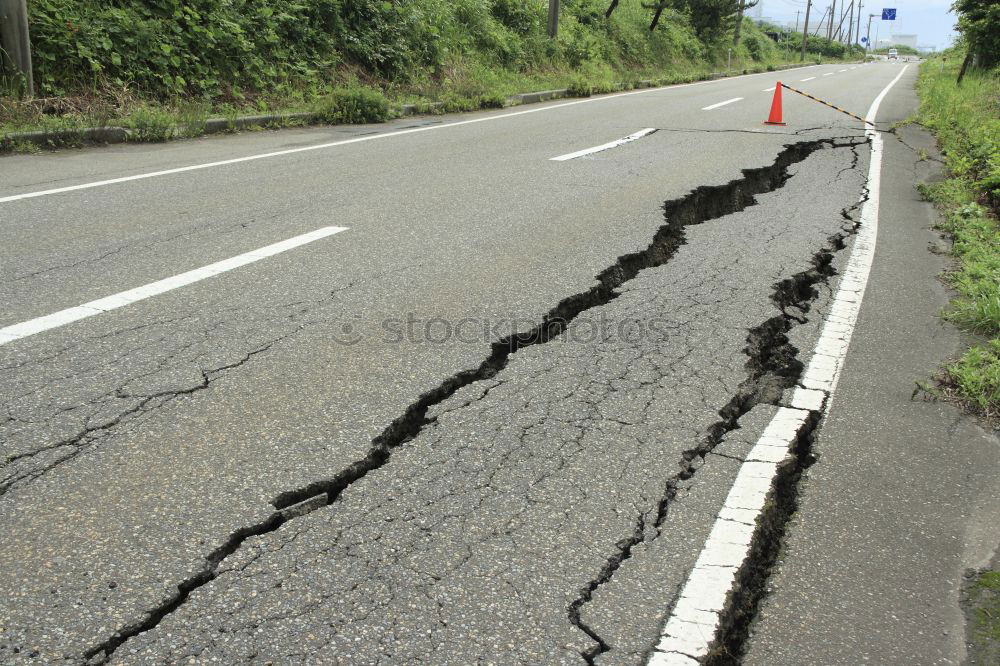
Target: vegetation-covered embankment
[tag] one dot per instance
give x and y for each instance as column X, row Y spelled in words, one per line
column 153, row 63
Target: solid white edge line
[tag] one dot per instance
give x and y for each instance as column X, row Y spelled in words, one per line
column 715, row 106
column 604, row 146
column 372, row 137
column 123, row 298
column 691, row 628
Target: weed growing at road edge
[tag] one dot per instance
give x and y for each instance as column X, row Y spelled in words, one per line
column 101, row 65
column 354, row 105
column 981, row 600
column 149, row 124
column 966, row 121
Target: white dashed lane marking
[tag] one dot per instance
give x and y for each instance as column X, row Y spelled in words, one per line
column 716, row 106
column 123, row 298
column 360, row 139
column 604, row 146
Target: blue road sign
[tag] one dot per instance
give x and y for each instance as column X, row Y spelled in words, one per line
column 888, row 14
column 864, row 39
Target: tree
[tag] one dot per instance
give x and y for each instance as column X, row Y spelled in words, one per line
column 708, row 17
column 657, row 8
column 711, row 18
column 743, row 6
column 15, row 46
column 979, row 23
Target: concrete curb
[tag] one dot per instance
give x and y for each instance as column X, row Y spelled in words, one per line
column 109, row 135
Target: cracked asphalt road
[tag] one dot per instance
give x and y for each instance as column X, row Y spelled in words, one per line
column 507, row 513
column 472, row 542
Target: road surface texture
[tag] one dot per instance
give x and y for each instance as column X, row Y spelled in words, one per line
column 447, row 399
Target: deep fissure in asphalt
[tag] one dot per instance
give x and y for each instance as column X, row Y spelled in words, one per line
column 751, row 580
column 772, row 366
column 702, row 204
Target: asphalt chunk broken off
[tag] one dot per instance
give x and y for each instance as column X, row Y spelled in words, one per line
column 524, row 522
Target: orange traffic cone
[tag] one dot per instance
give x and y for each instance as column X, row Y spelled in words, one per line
column 775, row 117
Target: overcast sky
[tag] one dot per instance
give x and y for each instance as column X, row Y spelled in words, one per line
column 931, row 20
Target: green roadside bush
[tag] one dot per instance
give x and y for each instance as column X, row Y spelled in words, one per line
column 239, row 50
column 354, row 105
column 170, row 47
column 135, row 63
column 149, row 124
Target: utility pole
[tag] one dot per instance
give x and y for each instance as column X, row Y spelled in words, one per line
column 829, row 26
column 805, row 32
column 789, row 40
column 868, row 35
column 553, row 18
column 857, row 32
column 739, row 24
column 820, row 25
column 850, row 27
column 840, row 26
column 15, row 40
column 843, row 15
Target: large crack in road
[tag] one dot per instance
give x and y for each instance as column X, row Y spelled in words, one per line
column 751, row 585
column 701, row 205
column 772, row 367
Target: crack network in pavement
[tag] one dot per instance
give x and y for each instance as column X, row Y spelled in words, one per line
column 750, row 587
column 773, row 366
column 700, row 205
column 90, row 434
column 705, row 130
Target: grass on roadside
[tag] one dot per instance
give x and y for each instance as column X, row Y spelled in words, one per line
column 591, row 56
column 966, row 121
column 152, row 121
column 989, row 619
column 983, row 612
column 161, row 76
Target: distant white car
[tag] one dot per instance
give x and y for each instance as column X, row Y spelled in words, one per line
column 893, row 55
